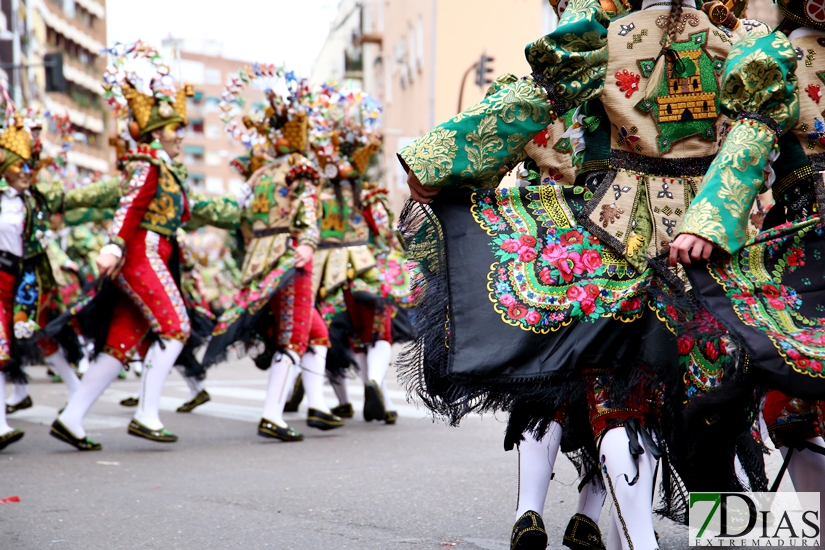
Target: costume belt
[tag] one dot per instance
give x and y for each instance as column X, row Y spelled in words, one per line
column 10, row 263
column 670, row 167
column 327, row 246
column 269, row 231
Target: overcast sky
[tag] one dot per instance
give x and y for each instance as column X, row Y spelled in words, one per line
column 268, row 31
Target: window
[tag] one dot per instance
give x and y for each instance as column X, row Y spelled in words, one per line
column 214, row 185
column 213, row 159
column 213, row 104
column 235, row 185
column 419, row 43
column 192, row 154
column 213, row 131
column 196, row 127
column 213, row 76
column 196, row 182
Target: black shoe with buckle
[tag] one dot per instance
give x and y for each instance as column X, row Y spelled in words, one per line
column 130, row 402
column 11, row 437
column 583, row 533
column 297, row 395
column 61, row 432
column 373, row 402
column 270, row 429
column 344, row 410
column 195, row 402
column 27, row 403
column 160, row 436
column 390, row 417
column 529, row 532
column 323, row 421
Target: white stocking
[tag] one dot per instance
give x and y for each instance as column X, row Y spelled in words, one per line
column 339, row 386
column 385, row 392
column 19, row 393
column 378, row 360
column 159, row 361
column 591, row 500
column 360, row 358
column 102, row 372
column 313, row 365
column 58, row 363
column 535, row 469
column 632, row 507
column 88, row 350
column 4, row 426
column 807, row 471
column 294, row 371
column 195, row 385
column 276, row 392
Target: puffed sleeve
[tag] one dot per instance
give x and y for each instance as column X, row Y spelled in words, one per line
column 222, row 212
column 760, row 93
column 481, row 144
column 103, row 194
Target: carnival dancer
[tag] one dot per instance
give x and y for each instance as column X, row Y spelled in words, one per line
column 148, row 314
column 768, row 290
column 579, row 319
column 275, row 306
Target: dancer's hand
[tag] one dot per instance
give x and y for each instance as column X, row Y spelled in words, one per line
column 687, row 247
column 71, row 265
column 418, row 192
column 106, row 264
column 303, row 255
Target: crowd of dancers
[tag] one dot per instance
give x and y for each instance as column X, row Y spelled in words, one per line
column 646, row 300
column 116, row 273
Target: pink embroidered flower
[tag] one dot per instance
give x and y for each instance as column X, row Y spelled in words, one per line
column 552, row 253
column 776, row 304
column 576, row 294
column 816, row 366
column 511, row 245
column 507, row 300
column 588, row 307
column 526, row 254
column 533, row 317
column 592, row 260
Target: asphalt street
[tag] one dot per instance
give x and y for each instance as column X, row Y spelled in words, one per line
column 415, row 485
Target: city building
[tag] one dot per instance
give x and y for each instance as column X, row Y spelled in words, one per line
column 76, row 29
column 419, row 57
column 208, row 149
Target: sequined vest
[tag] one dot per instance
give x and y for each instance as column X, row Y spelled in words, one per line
column 660, row 148
column 164, row 214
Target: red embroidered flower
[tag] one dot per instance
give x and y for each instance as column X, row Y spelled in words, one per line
column 572, row 237
column 570, row 266
column 592, row 260
column 711, row 351
column 552, row 175
column 671, row 312
column 576, row 294
column 526, row 254
column 588, row 307
column 771, row 292
column 803, row 362
column 627, row 81
column 533, row 317
column 542, row 138
column 592, row 291
column 816, row 366
column 516, row 311
column 685, row 344
column 631, row 305
column 814, row 92
column 527, row 240
column 491, row 215
column 511, row 245
column 796, row 258
column 546, row 276
column 776, row 304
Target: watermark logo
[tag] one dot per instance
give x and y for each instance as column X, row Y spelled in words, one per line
column 754, row 519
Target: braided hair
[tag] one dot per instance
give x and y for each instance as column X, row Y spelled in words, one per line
column 672, row 27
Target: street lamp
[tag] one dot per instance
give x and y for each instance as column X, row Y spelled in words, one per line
column 483, row 68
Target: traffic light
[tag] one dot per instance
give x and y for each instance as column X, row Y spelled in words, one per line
column 55, row 81
column 483, row 69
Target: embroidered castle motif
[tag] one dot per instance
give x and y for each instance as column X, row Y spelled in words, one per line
column 685, row 104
